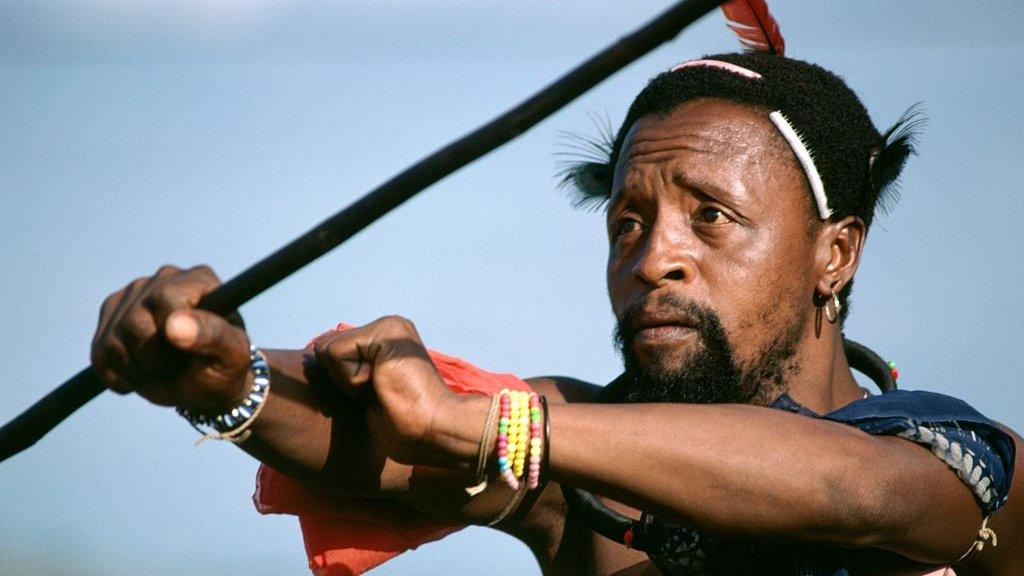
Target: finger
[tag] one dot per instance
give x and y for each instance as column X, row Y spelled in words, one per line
column 135, row 327
column 106, row 312
column 110, row 366
column 145, row 358
column 150, row 353
column 182, row 290
column 394, row 338
column 118, row 304
column 206, row 334
column 109, row 354
column 236, row 320
column 128, row 296
column 339, row 354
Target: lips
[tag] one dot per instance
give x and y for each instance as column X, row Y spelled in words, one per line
column 653, row 329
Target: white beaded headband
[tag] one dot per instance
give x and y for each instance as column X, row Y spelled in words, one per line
column 793, row 138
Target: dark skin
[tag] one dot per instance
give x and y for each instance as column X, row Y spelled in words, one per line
column 708, row 204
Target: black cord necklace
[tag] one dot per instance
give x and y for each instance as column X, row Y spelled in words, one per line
column 624, row 530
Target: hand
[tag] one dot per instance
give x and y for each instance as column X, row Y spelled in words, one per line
column 152, row 340
column 411, row 414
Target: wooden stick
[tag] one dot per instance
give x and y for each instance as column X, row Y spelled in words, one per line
column 47, row 413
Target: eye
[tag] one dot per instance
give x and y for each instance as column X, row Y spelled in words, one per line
column 712, row 215
column 624, row 225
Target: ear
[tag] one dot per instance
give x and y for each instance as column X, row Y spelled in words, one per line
column 837, row 253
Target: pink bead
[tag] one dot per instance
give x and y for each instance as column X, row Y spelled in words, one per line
column 502, row 443
column 534, row 460
column 535, row 426
column 534, row 469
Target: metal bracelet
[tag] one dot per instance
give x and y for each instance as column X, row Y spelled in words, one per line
column 231, row 424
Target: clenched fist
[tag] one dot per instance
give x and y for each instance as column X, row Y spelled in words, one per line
column 413, row 417
column 152, row 340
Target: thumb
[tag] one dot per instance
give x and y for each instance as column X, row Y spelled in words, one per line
column 204, row 333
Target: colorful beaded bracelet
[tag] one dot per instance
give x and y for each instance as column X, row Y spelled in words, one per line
column 521, row 438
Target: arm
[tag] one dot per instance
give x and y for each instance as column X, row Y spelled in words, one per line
column 151, row 340
column 294, row 435
column 750, row 472
column 739, row 471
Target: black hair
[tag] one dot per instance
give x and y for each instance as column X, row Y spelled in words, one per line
column 858, row 165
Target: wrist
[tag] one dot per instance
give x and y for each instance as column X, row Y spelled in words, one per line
column 458, row 424
column 232, row 423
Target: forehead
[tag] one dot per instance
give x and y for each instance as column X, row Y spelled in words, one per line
column 706, row 139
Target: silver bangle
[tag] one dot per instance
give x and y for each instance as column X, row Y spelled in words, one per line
column 233, row 425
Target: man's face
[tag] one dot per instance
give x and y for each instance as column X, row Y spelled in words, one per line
column 709, row 268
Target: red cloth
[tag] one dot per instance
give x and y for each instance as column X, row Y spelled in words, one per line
column 350, row 536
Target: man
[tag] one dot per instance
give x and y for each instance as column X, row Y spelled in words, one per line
column 739, row 192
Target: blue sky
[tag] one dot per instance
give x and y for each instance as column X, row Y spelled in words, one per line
column 138, row 134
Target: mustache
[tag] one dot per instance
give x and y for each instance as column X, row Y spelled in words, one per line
column 669, row 306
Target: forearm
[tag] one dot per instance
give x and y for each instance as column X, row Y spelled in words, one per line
column 751, row 472
column 292, row 433
column 721, row 468
column 313, row 434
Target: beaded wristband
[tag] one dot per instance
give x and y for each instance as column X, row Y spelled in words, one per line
column 521, row 438
column 536, row 443
column 508, row 427
column 233, row 425
column 521, row 417
column 529, row 410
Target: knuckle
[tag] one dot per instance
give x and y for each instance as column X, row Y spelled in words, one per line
column 168, row 293
column 398, row 324
column 137, row 323
column 320, row 346
column 167, row 270
column 138, row 283
column 335, row 351
column 111, row 300
column 205, row 273
column 107, row 308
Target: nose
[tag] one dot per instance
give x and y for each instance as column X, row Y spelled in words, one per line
column 667, row 255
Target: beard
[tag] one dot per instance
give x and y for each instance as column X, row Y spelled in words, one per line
column 711, row 374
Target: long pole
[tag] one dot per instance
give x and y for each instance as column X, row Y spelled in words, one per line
column 32, row 424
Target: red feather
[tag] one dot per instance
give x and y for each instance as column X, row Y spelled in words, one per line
column 757, row 30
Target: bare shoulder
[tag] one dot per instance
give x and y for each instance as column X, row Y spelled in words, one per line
column 565, row 390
